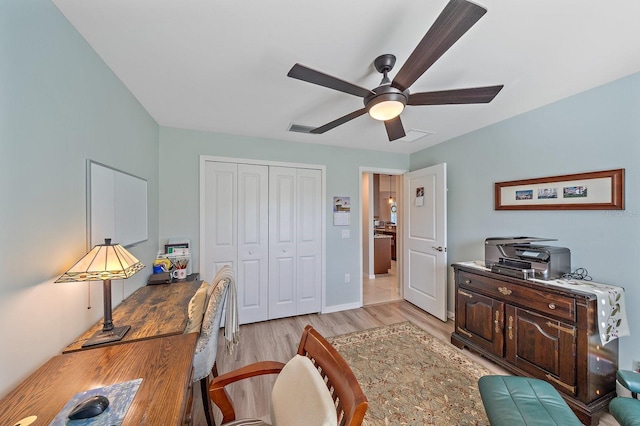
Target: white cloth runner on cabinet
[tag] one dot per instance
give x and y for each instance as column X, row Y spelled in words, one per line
column 612, row 313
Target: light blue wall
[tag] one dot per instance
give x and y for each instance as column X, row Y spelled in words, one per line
column 595, row 130
column 180, row 152
column 59, row 105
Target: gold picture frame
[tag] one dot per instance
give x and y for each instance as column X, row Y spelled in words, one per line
column 603, row 190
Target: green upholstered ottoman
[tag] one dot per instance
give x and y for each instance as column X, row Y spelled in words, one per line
column 624, row 409
column 514, row 400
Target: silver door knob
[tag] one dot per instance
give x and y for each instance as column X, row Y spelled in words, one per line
column 439, row 248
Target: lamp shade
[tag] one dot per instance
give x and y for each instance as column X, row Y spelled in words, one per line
column 104, row 262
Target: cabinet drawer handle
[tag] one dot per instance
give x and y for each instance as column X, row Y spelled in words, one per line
column 510, row 327
column 467, row 281
column 466, row 333
column 571, row 331
column 464, row 293
column 571, row 389
column 552, row 306
column 504, row 290
column 497, row 321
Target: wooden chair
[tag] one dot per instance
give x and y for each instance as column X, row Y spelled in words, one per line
column 343, row 390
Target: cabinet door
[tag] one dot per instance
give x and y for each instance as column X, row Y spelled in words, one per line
column 543, row 347
column 480, row 319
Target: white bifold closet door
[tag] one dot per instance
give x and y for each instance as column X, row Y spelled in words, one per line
column 265, row 222
column 295, row 239
column 237, row 232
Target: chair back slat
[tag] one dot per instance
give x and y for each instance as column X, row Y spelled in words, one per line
column 351, row 403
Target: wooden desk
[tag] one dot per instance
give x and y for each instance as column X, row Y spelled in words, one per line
column 151, row 311
column 165, row 396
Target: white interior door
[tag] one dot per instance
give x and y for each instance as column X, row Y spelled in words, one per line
column 218, row 234
column 282, row 242
column 425, row 239
column 309, row 241
column 236, row 233
column 252, row 274
column 295, row 241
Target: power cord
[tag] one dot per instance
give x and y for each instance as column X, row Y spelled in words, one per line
column 578, row 274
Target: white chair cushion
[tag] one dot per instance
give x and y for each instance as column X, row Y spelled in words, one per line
column 300, row 396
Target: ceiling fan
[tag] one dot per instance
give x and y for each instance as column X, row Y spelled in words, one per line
column 387, row 101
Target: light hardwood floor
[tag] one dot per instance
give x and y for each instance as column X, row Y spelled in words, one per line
column 277, row 340
column 382, row 288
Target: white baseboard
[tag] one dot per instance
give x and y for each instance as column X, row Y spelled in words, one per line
column 338, row 308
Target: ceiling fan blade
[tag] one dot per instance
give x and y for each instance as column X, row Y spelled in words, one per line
column 456, row 19
column 476, row 95
column 317, row 77
column 339, row 121
column 394, row 127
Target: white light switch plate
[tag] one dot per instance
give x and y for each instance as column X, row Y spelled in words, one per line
column 346, row 233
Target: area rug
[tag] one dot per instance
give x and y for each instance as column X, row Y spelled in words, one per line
column 412, row 378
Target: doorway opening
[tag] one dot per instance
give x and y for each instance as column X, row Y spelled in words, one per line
column 381, row 236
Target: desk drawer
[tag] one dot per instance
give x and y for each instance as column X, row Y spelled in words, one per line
column 537, row 299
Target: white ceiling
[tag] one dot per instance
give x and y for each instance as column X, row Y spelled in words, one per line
column 221, row 65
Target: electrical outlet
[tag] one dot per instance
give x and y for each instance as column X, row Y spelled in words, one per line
column 636, row 366
column 347, row 278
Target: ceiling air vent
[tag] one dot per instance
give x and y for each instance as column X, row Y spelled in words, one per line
column 413, row 135
column 300, row 128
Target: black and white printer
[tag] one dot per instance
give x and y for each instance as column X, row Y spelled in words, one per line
column 518, row 257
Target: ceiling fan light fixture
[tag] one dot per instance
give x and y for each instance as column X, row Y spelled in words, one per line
column 387, row 103
column 386, row 110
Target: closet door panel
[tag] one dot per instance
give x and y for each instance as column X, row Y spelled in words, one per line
column 283, row 295
column 219, row 221
column 253, row 242
column 282, row 242
column 309, row 240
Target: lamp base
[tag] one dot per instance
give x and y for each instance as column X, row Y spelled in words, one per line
column 113, row 335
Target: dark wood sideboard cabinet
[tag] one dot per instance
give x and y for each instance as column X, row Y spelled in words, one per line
column 536, row 330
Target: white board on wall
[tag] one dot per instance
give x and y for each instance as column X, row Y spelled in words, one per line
column 116, row 206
